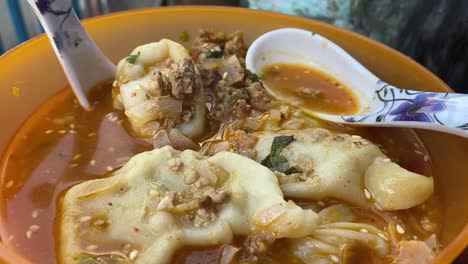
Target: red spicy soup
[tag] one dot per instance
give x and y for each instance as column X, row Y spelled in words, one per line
column 61, row 145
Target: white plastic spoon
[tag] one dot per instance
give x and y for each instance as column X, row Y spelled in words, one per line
column 83, row 62
column 380, row 103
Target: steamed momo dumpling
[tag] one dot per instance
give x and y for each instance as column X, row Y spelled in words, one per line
column 165, row 199
column 326, row 165
column 160, row 88
column 387, row 181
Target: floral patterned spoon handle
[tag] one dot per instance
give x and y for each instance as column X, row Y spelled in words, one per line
column 445, row 112
column 380, row 104
column 83, row 62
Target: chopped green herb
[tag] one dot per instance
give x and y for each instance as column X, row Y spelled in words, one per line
column 184, row 36
column 133, row 58
column 216, row 52
column 163, row 187
column 247, row 130
column 292, row 170
column 254, row 77
column 275, row 161
column 401, row 161
column 283, row 116
column 280, row 142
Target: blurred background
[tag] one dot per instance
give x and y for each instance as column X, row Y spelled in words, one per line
column 433, row 32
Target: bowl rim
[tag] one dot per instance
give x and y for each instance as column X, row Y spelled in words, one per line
column 230, row 9
column 448, row 253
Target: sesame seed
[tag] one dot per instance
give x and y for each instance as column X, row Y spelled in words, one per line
column 109, row 168
column 92, row 134
column 34, row 213
column 115, row 83
column 15, row 91
column 426, row 158
column 72, row 126
column 77, row 156
column 383, row 236
column 92, row 162
column 363, row 230
column 415, row 237
column 112, row 117
column 377, row 206
column 34, row 228
column 28, row 234
column 386, row 160
column 9, row 184
column 356, row 136
column 62, row 131
column 71, row 131
column 122, row 159
column 92, row 247
column 49, row 131
column 133, row 254
column 334, row 258
column 73, row 165
column 367, row 194
column 419, row 152
column 85, row 218
column 400, row 229
column 321, row 203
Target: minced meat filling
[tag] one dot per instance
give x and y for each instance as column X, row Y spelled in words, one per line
column 231, row 91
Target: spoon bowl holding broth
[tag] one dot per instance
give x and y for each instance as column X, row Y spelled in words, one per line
column 278, row 54
column 309, row 89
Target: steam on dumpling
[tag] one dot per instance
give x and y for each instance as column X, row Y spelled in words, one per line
column 164, row 199
column 160, row 89
column 315, row 164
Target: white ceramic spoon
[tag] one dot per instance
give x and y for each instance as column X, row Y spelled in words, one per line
column 380, row 103
column 83, row 62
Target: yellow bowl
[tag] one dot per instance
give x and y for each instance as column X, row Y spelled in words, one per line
column 30, row 74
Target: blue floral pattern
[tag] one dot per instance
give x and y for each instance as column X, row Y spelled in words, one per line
column 418, row 108
column 45, row 6
column 60, row 35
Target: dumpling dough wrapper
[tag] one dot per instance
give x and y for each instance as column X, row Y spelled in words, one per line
column 163, row 200
column 343, row 166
